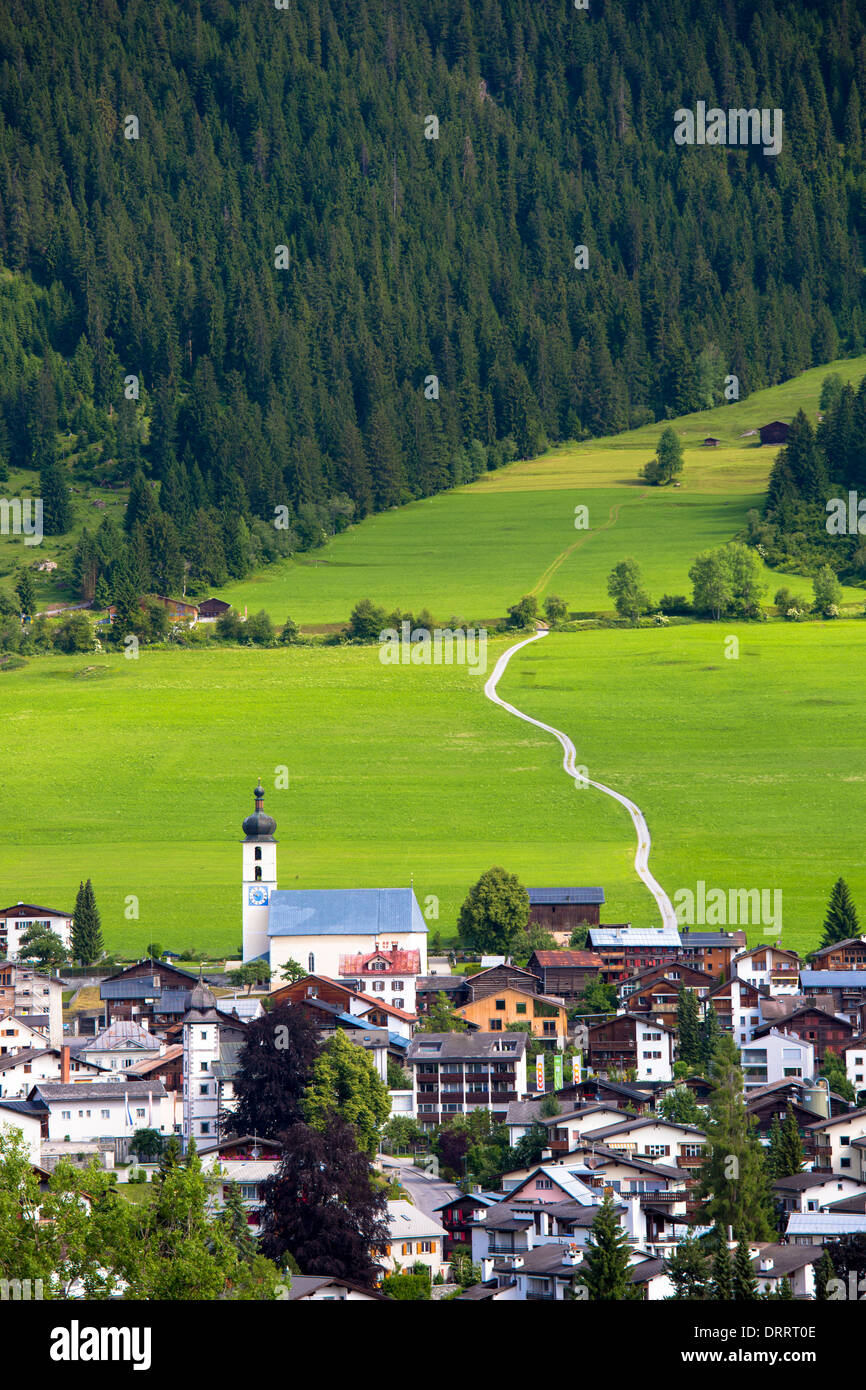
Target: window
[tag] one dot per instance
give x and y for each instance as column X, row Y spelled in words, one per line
column 139, row 1113
column 378, row 986
column 66, row 1114
column 202, row 1066
column 520, row 1008
column 844, row 1163
column 406, row 1247
column 258, row 853
column 500, row 1004
column 543, row 1184
column 844, row 1138
column 105, row 1114
column 496, row 1025
column 205, row 1126
column 397, row 986
column 425, row 1247
column 203, row 1090
column 311, row 962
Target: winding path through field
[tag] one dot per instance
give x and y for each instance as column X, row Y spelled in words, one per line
column 641, row 859
column 612, row 518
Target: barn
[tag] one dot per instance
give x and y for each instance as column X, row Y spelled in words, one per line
column 774, row 433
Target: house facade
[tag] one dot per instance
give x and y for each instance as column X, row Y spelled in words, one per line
column 456, row 1073
column 628, row 1042
column 20, row 917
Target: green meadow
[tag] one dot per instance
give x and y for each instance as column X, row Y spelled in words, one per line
column 138, row 773
column 473, row 551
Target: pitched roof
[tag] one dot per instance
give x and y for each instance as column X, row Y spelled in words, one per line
column 96, row 1090
column 19, row 909
column 569, row 960
column 786, row 1258
column 344, row 912
column 634, row 936
column 848, row 941
column 641, row 1122
column 818, row 1223
column 303, row 1286
column 539, row 896
column 838, row 1119
column 409, row 1222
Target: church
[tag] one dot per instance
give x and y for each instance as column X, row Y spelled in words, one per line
column 326, row 930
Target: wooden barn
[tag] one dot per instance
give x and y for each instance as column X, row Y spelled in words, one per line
column 774, row 433
column 563, row 909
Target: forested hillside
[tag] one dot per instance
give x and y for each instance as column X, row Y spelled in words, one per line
column 407, row 257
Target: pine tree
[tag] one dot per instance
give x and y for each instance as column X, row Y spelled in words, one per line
column 56, row 506
column 734, row 1184
column 170, row 1157
column 711, row 1032
column 791, row 1156
column 774, row 1152
column 26, row 591
column 606, row 1262
column 841, row 922
column 744, row 1287
column 688, row 1027
column 825, row 1270
column 722, row 1286
column 234, row 1218
column 87, row 944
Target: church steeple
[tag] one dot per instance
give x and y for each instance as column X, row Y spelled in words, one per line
column 259, row 825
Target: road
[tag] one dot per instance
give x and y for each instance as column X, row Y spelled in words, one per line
column 644, row 842
column 426, row 1192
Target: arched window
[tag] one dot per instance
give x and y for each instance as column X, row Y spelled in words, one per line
column 258, row 853
column 311, row 963
column 258, row 872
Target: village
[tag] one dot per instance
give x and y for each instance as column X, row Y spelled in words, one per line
column 591, row 1074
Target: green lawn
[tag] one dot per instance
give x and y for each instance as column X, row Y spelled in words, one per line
column 750, row 771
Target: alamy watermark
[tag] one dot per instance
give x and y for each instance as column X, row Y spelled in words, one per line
column 736, row 126
column 738, row 907
column 846, row 516
column 16, row 518
column 443, row 646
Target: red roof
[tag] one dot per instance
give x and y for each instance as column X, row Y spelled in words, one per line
column 588, row 960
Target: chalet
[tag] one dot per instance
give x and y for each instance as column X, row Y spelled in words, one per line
column 167, row 1068
column 20, row 917
column 496, row 1013
column 456, row 1073
column 625, row 950
column 655, row 992
column 329, row 1002
column 710, row 442
column 548, row 1182
column 212, row 608
column 849, row 954
column 561, row 910
column 178, row 609
column 596, row 1090
column 795, row 1263
column 628, row 1042
column 236, row 1147
column 19, row 1071
column 737, row 1004
column 565, row 973
column 652, row 1138
column 457, row 1215
column 844, row 990
column 567, row 1130
column 429, row 987
column 776, row 432
column 711, row 951
column 817, row 1026
column 769, row 967
column 822, row 1227
column 814, row 1191
column 16, row 1034
column 149, row 991
column 831, row 1144
column 497, row 978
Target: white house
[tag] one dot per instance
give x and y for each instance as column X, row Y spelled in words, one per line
column 814, row 1191
column 20, row 917
column 414, row 1238
column 796, row 1263
column 320, row 927
column 655, row 1051
column 776, row 1056
column 652, row 1138
column 249, row 1174
column 854, row 1053
column 769, row 967
column 20, row 1071
column 388, row 975
column 16, row 1035
column 834, row 1142
column 28, row 994
column 17, row 1115
column 103, row 1109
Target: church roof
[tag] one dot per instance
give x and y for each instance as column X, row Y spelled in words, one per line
column 344, row 912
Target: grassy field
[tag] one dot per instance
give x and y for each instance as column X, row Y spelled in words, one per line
column 472, row 552
column 138, row 774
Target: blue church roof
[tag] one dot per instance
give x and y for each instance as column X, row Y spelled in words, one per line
column 344, row 912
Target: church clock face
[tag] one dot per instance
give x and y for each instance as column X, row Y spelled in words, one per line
column 258, row 895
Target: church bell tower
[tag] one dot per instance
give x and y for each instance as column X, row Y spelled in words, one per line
column 259, row 876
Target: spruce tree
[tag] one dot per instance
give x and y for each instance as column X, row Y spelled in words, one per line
column 87, row 944
column 734, row 1185
column 26, row 591
column 606, row 1262
column 722, row 1286
column 840, row 923
column 234, row 1218
column 744, row 1287
column 54, row 492
column 773, row 1153
column 825, row 1270
column 711, row 1032
column 791, row 1147
column 688, row 1027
